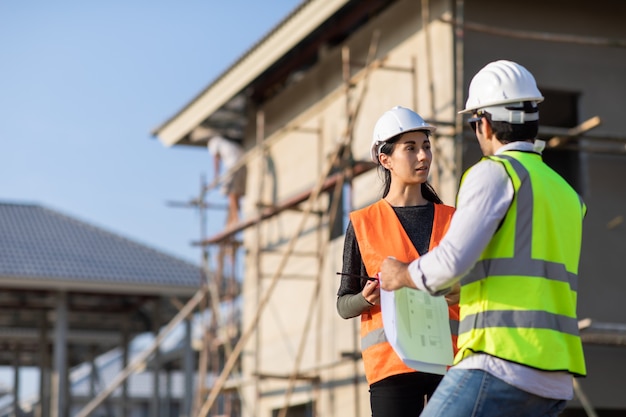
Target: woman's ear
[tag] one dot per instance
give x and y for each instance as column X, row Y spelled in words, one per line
column 383, row 158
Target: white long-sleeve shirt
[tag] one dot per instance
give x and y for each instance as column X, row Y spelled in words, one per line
column 482, row 203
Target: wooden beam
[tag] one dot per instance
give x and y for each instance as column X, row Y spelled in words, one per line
column 539, row 36
column 573, row 132
column 359, row 168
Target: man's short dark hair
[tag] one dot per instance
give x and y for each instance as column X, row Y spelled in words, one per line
column 514, row 132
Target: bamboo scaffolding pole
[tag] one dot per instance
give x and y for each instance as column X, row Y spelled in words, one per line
column 544, row 131
column 255, row 151
column 352, row 116
column 431, row 87
column 208, row 355
column 141, row 358
column 585, row 126
column 312, row 303
column 203, row 357
column 321, row 252
column 360, row 167
column 264, row 300
column 459, row 68
column 582, row 397
column 538, row 36
column 260, row 142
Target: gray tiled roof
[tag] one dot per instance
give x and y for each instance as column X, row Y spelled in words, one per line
column 43, row 244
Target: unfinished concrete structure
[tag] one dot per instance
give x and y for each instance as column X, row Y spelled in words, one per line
column 305, row 98
column 71, row 291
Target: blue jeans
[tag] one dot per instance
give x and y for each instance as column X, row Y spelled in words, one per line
column 476, row 393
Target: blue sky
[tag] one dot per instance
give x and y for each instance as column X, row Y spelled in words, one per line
column 82, row 85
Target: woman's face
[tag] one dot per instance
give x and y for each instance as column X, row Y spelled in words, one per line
column 410, row 159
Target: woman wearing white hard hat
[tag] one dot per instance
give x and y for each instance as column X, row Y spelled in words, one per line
column 514, row 244
column 407, row 222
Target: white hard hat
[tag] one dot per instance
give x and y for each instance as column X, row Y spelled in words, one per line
column 501, row 83
column 394, row 122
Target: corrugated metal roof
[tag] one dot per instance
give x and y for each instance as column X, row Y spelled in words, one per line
column 40, row 243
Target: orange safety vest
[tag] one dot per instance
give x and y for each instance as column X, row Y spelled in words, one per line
column 380, row 234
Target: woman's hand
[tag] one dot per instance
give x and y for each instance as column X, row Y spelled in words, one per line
column 371, row 292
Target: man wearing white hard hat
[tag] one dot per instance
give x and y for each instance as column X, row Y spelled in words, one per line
column 514, row 244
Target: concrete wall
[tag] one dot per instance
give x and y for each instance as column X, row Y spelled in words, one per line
column 596, row 73
column 305, row 123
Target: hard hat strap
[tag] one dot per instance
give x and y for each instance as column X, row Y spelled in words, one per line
column 511, row 113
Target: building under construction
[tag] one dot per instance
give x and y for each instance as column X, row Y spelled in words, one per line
column 304, row 100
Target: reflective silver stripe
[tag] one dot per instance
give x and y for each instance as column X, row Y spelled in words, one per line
column 524, row 213
column 520, row 319
column 454, row 327
column 520, row 267
column 374, row 337
column 522, row 263
column 378, row 336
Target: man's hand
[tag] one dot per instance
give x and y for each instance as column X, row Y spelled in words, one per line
column 395, row 275
column 453, row 296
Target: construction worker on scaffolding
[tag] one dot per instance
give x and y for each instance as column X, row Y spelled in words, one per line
column 226, row 154
column 514, row 243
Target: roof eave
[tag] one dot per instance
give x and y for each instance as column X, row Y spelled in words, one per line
column 99, row 286
column 278, row 42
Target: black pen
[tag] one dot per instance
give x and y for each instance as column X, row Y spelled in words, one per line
column 358, row 276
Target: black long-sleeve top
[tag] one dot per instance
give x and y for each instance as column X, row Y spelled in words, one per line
column 417, row 221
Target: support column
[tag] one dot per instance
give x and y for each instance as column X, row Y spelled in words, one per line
column 188, row 367
column 156, row 361
column 125, row 346
column 167, row 404
column 43, row 366
column 93, row 375
column 17, row 411
column 58, row 402
column 459, row 66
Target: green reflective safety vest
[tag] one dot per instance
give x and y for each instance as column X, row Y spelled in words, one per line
column 518, row 302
